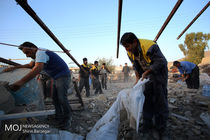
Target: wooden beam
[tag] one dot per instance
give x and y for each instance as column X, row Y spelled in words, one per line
column 188, row 26
column 168, row 19
column 119, row 25
column 8, row 62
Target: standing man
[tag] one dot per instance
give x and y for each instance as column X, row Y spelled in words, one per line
column 126, row 71
column 149, row 62
column 95, row 77
column 190, row 73
column 53, row 65
column 104, row 70
column 84, row 77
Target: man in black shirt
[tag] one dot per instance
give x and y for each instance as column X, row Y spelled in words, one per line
column 84, row 77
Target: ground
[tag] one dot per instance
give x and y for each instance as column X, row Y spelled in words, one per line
column 185, row 107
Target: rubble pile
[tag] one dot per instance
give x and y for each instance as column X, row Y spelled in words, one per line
column 187, row 107
column 189, row 111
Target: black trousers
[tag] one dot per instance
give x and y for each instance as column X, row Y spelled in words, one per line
column 97, row 86
column 104, row 81
column 155, row 105
column 84, row 82
column 193, row 82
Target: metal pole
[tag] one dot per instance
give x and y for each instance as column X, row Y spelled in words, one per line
column 119, row 25
column 168, row 19
column 207, row 5
column 8, row 62
column 29, row 10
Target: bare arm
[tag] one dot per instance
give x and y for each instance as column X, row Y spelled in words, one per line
column 145, row 74
column 30, row 65
column 137, row 76
column 36, row 70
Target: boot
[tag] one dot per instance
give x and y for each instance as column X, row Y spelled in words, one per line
column 164, row 134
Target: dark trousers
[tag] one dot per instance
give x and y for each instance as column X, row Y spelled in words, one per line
column 60, row 100
column 126, row 77
column 98, row 86
column 104, row 81
column 155, row 105
column 193, row 81
column 84, row 82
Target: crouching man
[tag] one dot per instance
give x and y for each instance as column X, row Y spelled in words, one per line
column 53, row 65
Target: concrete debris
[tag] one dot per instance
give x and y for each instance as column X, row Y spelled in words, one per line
column 206, row 118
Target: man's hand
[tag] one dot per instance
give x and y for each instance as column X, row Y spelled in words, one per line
column 183, row 79
column 16, row 86
column 144, row 75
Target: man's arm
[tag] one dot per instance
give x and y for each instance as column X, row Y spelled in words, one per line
column 157, row 58
column 30, row 65
column 91, row 74
column 36, row 70
column 107, row 69
column 137, row 77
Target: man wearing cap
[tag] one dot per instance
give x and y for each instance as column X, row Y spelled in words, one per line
column 149, row 62
column 95, row 77
column 190, row 73
column 56, row 68
column 126, row 71
column 103, row 71
column 84, row 77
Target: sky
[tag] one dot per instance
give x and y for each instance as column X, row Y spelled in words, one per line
column 89, row 27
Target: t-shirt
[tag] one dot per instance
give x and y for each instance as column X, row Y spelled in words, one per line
column 186, row 67
column 53, row 64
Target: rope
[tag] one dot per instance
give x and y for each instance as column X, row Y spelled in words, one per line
column 11, row 45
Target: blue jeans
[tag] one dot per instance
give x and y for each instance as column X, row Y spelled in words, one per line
column 60, row 100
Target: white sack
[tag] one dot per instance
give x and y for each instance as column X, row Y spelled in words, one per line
column 132, row 101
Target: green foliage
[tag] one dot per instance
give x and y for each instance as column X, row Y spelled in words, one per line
column 109, row 63
column 194, row 46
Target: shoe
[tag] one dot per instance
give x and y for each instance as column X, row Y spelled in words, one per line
column 164, row 135
column 64, row 125
column 146, row 135
column 145, row 128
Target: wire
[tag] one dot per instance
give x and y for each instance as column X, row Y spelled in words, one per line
column 11, row 45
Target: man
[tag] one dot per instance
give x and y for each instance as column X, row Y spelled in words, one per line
column 149, row 62
column 103, row 72
column 95, row 77
column 84, row 77
column 126, row 71
column 190, row 73
column 55, row 67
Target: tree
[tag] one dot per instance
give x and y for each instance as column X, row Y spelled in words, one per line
column 194, row 46
column 109, row 63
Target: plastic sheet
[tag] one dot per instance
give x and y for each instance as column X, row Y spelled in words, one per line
column 132, row 101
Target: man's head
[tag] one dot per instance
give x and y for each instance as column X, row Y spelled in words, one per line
column 85, row 61
column 126, row 64
column 129, row 41
column 176, row 64
column 29, row 49
column 96, row 63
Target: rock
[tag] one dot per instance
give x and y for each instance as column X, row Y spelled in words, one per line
column 172, row 100
column 188, row 114
column 206, row 118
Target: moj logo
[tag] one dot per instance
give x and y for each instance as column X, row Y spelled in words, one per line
column 13, row 127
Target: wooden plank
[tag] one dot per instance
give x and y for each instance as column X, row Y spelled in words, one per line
column 27, row 114
column 180, row 117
